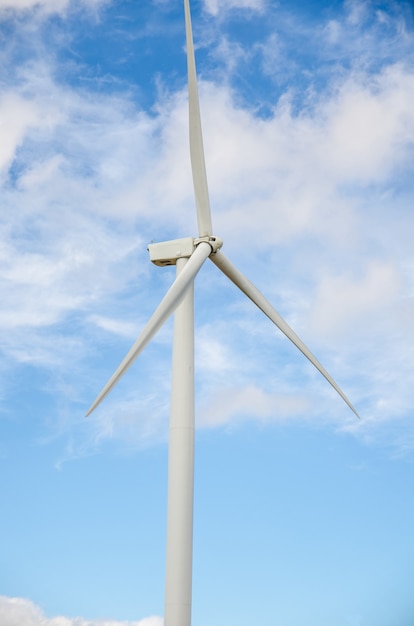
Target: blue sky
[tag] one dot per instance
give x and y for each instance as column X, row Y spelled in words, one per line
column 303, row 515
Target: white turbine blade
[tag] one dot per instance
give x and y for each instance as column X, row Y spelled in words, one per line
column 196, row 137
column 166, row 307
column 255, row 296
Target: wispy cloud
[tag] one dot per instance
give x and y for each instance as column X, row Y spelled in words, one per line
column 85, row 173
column 216, row 6
column 44, row 7
column 22, row 612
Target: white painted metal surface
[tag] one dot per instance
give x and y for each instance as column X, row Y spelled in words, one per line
column 188, row 255
column 196, row 137
column 167, row 252
column 178, row 579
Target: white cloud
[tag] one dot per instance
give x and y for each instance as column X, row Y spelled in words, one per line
column 295, row 197
column 49, row 6
column 236, row 404
column 332, row 30
column 59, row 172
column 44, row 7
column 370, row 125
column 212, row 354
column 17, row 115
column 117, row 327
column 290, row 170
column 216, row 6
column 99, row 158
column 22, row 612
column 357, row 11
column 230, row 54
column 342, row 301
column 41, row 286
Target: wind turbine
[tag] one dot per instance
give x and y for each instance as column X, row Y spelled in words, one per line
column 188, row 255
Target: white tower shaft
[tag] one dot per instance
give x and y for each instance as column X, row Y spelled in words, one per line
column 178, row 580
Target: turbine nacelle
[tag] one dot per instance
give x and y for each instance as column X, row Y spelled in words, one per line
column 167, row 252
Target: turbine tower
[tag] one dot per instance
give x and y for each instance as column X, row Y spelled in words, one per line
column 188, row 255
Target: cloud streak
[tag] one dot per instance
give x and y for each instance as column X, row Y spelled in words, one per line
column 44, row 8
column 89, row 177
column 22, row 612
column 217, row 6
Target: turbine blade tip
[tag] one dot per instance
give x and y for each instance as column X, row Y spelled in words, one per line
column 91, row 408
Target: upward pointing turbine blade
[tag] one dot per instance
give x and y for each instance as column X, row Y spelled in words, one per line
column 166, row 307
column 196, row 137
column 264, row 305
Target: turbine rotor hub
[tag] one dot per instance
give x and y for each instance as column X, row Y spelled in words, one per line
column 214, row 242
